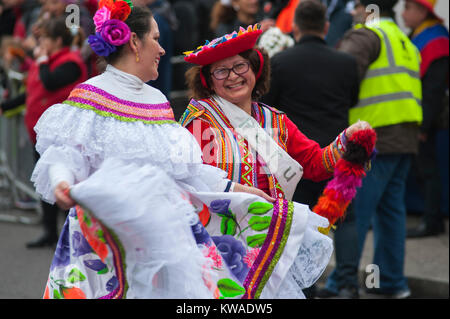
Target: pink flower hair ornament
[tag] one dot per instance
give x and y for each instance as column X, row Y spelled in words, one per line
column 101, row 16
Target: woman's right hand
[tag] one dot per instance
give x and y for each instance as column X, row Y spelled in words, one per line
column 63, row 199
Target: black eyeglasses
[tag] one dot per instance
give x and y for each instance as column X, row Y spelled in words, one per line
column 238, row 68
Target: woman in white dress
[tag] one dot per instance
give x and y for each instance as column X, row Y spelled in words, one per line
column 139, row 194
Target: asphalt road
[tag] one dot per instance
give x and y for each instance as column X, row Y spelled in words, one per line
column 23, row 272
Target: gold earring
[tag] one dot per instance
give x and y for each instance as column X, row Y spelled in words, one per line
column 137, row 57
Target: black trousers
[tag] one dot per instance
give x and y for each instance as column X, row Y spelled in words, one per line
column 425, row 169
column 50, row 213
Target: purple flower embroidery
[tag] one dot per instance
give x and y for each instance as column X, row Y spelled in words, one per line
column 62, row 252
column 220, row 206
column 201, row 235
column 80, row 244
column 94, row 264
column 112, row 284
column 232, row 252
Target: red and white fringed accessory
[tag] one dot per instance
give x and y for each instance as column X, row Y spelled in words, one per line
column 348, row 174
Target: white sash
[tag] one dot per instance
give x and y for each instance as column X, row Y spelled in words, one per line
column 287, row 170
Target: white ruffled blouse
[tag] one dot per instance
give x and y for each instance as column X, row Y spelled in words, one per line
column 116, row 115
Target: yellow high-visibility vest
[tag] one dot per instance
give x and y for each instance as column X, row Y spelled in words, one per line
column 391, row 92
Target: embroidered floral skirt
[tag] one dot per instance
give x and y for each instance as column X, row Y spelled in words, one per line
column 137, row 233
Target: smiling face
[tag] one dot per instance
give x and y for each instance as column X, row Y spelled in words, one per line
column 150, row 53
column 236, row 88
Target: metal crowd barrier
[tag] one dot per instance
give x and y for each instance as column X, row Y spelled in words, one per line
column 17, row 193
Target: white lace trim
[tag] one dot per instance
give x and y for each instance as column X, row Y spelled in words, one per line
column 312, row 259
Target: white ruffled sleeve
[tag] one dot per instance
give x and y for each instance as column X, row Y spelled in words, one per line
column 206, row 178
column 81, row 140
column 58, row 163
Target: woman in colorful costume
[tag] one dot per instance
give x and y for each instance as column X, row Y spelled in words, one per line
column 114, row 155
column 257, row 145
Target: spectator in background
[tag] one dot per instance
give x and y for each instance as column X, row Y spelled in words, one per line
column 14, row 56
column 389, row 99
column 168, row 24
column 54, row 73
column 7, row 20
column 338, row 13
column 57, row 8
column 221, row 13
column 26, row 13
column 316, row 86
column 228, row 15
column 431, row 38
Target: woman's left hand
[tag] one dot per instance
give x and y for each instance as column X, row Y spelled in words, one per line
column 62, row 196
column 358, row 126
column 252, row 190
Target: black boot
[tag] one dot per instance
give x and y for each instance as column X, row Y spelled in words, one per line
column 49, row 221
column 46, row 240
column 426, row 230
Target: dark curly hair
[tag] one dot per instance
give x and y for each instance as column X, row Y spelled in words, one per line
column 198, row 91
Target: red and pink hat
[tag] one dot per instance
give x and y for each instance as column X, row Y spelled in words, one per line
column 225, row 46
column 430, row 5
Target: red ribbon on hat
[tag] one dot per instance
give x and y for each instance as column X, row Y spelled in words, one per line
column 261, row 64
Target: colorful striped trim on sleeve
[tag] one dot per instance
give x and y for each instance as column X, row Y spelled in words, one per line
column 333, row 152
column 193, row 110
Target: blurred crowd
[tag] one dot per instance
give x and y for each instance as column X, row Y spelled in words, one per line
column 32, row 31
column 183, row 25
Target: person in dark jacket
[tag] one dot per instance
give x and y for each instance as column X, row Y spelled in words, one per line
column 316, row 86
